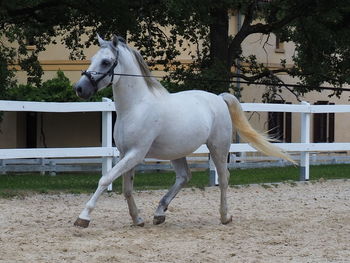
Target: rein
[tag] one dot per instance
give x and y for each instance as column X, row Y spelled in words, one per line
column 222, row 81
column 110, row 72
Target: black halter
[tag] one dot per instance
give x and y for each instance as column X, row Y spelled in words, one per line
column 110, row 72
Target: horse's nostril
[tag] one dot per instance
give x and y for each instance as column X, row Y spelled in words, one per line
column 78, row 89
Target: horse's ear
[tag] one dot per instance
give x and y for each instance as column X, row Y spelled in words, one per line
column 100, row 40
column 115, row 41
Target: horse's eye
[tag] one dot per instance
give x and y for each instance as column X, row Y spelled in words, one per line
column 106, row 63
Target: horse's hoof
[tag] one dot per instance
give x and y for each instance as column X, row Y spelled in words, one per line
column 82, row 222
column 158, row 220
column 226, row 220
column 142, row 224
column 139, row 222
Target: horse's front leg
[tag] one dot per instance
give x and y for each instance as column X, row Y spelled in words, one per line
column 84, row 218
column 127, row 163
column 128, row 179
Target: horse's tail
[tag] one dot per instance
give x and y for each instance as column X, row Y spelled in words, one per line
column 246, row 131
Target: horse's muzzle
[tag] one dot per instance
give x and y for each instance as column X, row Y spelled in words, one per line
column 81, row 92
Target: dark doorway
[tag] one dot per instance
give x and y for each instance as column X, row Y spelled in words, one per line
column 323, row 130
column 280, row 125
column 31, row 129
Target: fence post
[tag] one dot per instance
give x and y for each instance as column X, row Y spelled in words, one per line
column 42, row 166
column 305, row 138
column 52, row 168
column 3, row 166
column 107, row 140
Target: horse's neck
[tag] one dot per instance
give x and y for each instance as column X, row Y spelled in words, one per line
column 130, row 91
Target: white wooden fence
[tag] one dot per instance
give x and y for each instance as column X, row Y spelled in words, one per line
column 107, row 152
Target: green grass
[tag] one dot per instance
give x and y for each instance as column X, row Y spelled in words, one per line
column 24, row 184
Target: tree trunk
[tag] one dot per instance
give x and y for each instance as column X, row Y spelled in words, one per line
column 219, row 44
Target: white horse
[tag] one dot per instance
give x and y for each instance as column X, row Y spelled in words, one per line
column 154, row 123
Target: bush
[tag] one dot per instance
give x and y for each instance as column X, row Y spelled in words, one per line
column 58, row 89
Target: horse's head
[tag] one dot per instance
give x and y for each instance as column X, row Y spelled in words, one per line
column 101, row 70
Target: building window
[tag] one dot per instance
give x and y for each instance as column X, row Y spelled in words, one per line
column 280, row 125
column 30, row 44
column 323, row 130
column 279, row 45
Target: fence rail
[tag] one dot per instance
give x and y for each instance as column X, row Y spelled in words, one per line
column 107, row 152
column 58, row 165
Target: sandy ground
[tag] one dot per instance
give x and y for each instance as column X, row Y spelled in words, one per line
column 309, row 222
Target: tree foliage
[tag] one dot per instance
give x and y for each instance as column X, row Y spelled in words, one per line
column 163, row 29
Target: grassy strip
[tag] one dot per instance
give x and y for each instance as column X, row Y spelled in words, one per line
column 23, row 184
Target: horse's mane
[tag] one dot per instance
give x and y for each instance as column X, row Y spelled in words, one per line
column 151, row 81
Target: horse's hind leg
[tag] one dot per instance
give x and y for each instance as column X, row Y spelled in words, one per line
column 183, row 175
column 219, row 156
column 127, row 190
